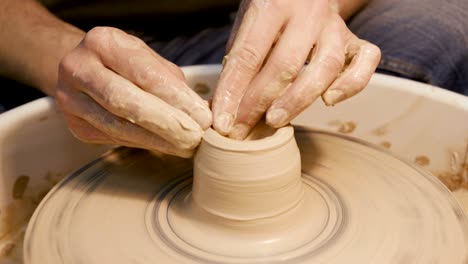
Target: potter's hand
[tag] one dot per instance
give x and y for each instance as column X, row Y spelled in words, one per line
column 114, row 89
column 264, row 70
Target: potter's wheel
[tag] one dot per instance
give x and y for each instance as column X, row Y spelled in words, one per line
column 361, row 205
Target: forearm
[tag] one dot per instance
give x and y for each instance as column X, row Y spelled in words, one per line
column 348, row 8
column 33, row 43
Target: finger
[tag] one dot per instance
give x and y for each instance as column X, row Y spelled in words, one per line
column 364, row 58
column 282, row 67
column 122, row 98
column 91, row 123
column 85, row 132
column 325, row 65
column 260, row 25
column 149, row 71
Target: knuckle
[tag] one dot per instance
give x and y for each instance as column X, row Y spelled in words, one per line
column 333, row 61
column 149, row 76
column 373, row 51
column 124, row 40
column 97, row 33
column 74, row 70
column 305, row 99
column 248, row 58
column 138, row 41
column 98, row 36
column 299, row 102
column 68, row 65
column 177, row 71
column 359, row 82
column 287, row 69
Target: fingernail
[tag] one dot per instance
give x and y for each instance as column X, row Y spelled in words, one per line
column 223, row 123
column 277, row 117
column 239, row 131
column 333, row 97
column 203, row 117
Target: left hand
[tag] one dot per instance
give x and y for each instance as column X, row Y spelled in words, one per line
column 265, row 71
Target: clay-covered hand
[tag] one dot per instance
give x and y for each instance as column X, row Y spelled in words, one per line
column 283, row 55
column 114, row 89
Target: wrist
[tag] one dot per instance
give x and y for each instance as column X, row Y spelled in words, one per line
column 57, row 42
column 37, row 40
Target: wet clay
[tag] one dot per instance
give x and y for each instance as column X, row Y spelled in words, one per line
column 248, row 180
column 248, row 203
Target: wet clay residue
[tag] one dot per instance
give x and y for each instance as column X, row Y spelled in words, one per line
column 386, row 144
column 381, row 131
column 343, row 127
column 347, row 127
column 422, row 160
column 25, row 200
column 15, row 216
column 455, row 181
column 457, row 177
column 201, row 88
column 20, row 186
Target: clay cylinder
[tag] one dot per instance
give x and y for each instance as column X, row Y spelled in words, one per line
column 248, row 180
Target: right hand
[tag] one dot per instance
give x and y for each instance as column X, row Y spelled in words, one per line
column 282, row 56
column 114, row 89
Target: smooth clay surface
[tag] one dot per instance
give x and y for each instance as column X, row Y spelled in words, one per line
column 248, row 180
column 353, row 203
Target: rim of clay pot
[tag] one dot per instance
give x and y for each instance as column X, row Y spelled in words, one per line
column 279, row 138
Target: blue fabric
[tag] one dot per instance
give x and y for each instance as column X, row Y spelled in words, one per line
column 423, row 40
column 207, row 47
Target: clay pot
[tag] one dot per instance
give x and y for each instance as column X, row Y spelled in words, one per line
column 248, row 180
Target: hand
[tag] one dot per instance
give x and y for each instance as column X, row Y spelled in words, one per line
column 114, row 89
column 265, row 71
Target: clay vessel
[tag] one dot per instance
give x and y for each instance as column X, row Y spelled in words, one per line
column 248, row 180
